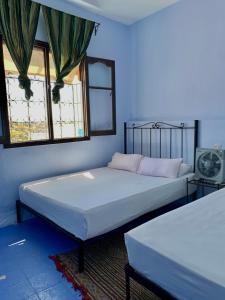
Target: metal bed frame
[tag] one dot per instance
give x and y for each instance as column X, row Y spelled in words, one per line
column 160, row 126
column 130, row 272
column 148, row 284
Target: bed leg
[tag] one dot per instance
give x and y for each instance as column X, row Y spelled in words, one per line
column 127, row 277
column 194, row 196
column 18, row 212
column 81, row 257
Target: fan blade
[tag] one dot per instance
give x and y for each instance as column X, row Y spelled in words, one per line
column 204, row 159
column 215, row 157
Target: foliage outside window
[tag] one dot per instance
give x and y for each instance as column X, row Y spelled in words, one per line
column 39, row 120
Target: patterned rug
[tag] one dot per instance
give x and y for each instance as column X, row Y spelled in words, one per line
column 103, row 278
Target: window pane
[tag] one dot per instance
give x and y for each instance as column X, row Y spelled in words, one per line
column 101, row 109
column 68, row 121
column 100, row 75
column 27, row 118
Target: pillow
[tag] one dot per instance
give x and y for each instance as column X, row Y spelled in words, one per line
column 127, row 162
column 160, row 167
column 185, row 169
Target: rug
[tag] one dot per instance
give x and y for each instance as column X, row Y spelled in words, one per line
column 104, row 277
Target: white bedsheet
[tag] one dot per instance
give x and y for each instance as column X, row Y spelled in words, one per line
column 184, row 250
column 94, row 202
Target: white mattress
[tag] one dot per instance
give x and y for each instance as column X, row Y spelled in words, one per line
column 184, row 250
column 94, row 202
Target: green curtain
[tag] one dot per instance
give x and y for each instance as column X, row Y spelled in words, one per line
column 18, row 24
column 69, row 37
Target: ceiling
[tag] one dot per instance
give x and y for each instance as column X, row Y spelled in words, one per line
column 124, row 11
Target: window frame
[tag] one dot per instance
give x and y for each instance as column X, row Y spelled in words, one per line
column 5, row 139
column 111, row 64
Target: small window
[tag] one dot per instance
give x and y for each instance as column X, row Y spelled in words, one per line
column 101, row 95
column 39, row 120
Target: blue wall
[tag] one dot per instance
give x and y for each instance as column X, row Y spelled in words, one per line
column 168, row 66
column 23, row 164
column 179, row 62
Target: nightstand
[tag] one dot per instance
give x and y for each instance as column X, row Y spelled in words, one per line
column 203, row 184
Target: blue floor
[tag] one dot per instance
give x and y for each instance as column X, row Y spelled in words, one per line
column 26, row 272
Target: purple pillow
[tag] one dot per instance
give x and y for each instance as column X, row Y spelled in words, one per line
column 160, row 167
column 127, row 162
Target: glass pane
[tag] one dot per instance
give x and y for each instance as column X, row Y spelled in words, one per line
column 68, row 113
column 100, row 75
column 101, row 110
column 27, row 119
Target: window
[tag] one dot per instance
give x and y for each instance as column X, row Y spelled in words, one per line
column 101, row 94
column 28, row 120
column 39, row 120
column 68, row 114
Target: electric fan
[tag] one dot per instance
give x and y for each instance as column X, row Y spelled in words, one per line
column 210, row 164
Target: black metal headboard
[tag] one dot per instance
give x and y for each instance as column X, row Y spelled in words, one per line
column 140, row 136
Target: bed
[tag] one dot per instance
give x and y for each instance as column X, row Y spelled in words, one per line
column 92, row 204
column 99, row 206
column 180, row 255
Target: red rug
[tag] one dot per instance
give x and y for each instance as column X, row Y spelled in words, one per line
column 103, row 278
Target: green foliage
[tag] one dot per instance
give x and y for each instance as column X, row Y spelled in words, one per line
column 25, row 132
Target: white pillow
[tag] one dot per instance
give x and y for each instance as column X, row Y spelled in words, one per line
column 127, row 162
column 185, row 169
column 160, row 167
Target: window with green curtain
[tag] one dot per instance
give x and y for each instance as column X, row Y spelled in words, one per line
column 69, row 37
column 39, row 120
column 18, row 25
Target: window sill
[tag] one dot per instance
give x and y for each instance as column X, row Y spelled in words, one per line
column 103, row 132
column 47, row 142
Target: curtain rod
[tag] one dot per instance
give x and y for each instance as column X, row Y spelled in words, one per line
column 97, row 24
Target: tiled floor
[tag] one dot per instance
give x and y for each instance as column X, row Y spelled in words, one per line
column 26, row 272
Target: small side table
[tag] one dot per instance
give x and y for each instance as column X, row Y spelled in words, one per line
column 203, row 184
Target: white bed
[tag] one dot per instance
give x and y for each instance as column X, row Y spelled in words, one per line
column 94, row 202
column 183, row 251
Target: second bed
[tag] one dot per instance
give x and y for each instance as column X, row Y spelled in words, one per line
column 182, row 252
